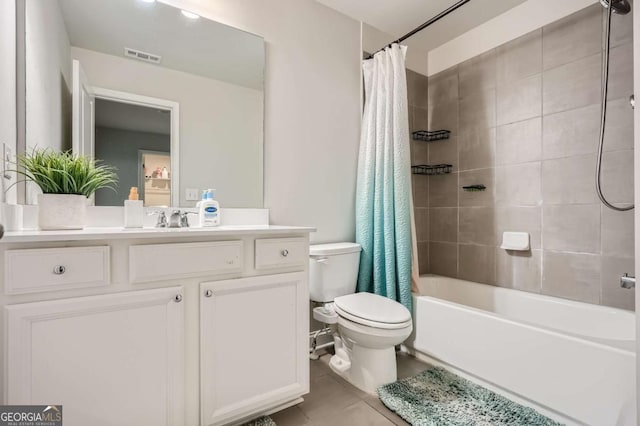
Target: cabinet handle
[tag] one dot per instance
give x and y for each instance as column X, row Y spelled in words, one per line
column 208, row 293
column 284, row 253
column 178, row 298
column 59, row 270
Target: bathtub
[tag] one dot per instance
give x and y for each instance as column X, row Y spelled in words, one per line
column 573, row 361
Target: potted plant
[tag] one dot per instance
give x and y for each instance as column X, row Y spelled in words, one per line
column 66, row 181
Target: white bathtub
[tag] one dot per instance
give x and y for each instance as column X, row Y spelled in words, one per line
column 575, row 361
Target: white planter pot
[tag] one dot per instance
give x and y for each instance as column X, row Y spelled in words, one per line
column 61, row 211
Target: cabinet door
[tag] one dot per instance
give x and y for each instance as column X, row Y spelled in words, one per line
column 254, row 345
column 111, row 359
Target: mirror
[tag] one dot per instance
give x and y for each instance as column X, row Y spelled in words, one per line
column 172, row 100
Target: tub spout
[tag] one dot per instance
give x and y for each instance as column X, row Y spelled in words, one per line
column 627, row 281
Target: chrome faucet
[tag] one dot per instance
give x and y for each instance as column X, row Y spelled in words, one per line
column 184, row 219
column 174, row 219
column 627, row 281
column 162, row 218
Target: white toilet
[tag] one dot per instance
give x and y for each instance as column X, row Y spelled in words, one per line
column 366, row 327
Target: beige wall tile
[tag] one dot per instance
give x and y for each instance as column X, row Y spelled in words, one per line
column 617, row 233
column 478, row 73
column 519, row 58
column 443, row 190
column 476, row 149
column 519, row 100
column 612, row 294
column 573, row 228
column 573, row 85
column 443, row 87
column 443, row 224
column 621, row 29
column 519, row 142
column 571, row 38
column 444, row 116
column 417, row 89
column 420, row 190
column 476, row 198
column 572, row 276
column 570, row 133
column 423, row 257
column 419, row 153
column 619, row 129
column 477, row 225
column 478, row 109
column 617, row 176
column 444, row 152
column 621, row 72
column 520, row 219
column 519, row 185
column 443, row 259
column 519, row 270
column 569, row 180
column 420, row 119
column 422, row 223
column 477, row 263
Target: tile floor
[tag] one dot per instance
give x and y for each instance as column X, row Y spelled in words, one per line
column 335, row 402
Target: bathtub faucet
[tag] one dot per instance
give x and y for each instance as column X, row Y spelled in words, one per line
column 627, row 281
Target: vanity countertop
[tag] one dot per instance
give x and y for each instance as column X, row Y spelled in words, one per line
column 29, row 236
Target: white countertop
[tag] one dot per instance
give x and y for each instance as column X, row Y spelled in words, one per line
column 29, row 236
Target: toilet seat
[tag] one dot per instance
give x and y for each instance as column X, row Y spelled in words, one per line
column 373, row 311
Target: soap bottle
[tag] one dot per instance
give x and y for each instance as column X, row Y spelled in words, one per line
column 209, row 212
column 133, row 210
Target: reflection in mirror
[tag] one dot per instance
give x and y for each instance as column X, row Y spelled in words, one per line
column 143, row 87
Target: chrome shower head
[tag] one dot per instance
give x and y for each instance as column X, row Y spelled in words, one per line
column 621, row 7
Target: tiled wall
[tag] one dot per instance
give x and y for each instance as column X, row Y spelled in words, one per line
column 524, row 119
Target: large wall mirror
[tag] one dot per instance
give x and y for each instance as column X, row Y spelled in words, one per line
column 174, row 101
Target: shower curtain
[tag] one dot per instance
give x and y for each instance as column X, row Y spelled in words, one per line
column 384, row 219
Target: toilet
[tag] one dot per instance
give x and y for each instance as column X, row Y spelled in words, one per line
column 365, row 327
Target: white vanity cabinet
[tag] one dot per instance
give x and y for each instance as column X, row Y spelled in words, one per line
column 178, row 328
column 114, row 359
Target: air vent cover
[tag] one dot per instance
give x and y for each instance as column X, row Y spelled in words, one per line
column 142, row 56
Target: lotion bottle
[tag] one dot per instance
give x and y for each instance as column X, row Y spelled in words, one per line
column 209, row 212
column 133, row 210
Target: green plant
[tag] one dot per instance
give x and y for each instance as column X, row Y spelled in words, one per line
column 65, row 173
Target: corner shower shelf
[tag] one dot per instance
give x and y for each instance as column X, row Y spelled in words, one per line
column 437, row 169
column 430, row 136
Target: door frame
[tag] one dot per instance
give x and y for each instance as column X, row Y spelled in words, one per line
column 164, row 104
column 636, row 180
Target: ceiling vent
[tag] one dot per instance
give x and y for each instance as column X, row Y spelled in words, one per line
column 142, row 56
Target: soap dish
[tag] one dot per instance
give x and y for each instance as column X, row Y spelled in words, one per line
column 517, row 241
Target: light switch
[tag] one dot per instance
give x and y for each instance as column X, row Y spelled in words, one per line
column 192, row 194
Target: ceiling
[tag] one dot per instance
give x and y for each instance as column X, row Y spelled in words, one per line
column 398, row 17
column 123, row 116
column 202, row 47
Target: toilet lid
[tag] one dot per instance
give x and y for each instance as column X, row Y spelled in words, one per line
column 373, row 310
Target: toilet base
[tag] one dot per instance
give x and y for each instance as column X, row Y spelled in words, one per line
column 365, row 368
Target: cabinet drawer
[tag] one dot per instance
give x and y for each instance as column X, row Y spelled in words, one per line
column 170, row 261
column 281, row 253
column 39, row 270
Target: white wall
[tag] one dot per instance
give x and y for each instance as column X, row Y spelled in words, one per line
column 636, row 123
column 8, row 84
column 48, row 79
column 312, row 108
column 220, row 124
column 516, row 22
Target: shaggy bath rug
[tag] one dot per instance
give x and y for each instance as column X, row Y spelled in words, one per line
column 437, row 397
column 261, row 421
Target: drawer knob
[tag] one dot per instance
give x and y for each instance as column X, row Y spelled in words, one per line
column 59, row 270
column 284, row 253
column 177, row 298
column 208, row 293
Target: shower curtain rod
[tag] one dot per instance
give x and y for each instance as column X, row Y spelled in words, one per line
column 433, row 20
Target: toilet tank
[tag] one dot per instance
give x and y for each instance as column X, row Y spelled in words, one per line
column 333, row 270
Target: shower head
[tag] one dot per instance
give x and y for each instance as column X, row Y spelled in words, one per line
column 621, row 7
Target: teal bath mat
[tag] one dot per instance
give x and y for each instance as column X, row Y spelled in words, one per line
column 437, row 397
column 261, row 421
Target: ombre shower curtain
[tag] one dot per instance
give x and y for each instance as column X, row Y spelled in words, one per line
column 384, row 219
